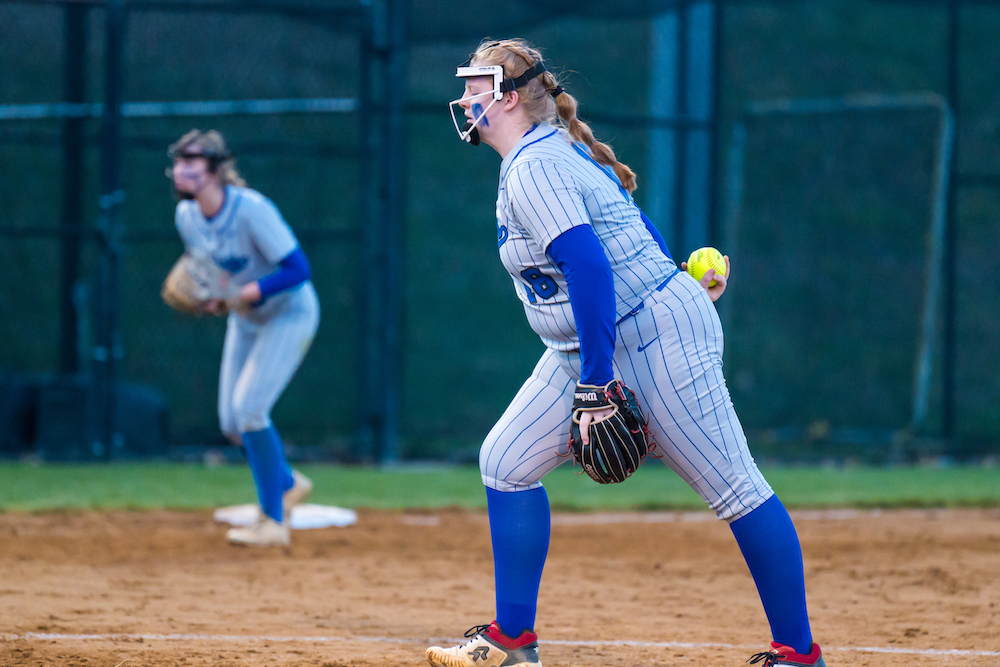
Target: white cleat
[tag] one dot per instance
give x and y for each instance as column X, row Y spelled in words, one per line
column 488, row 647
column 264, row 532
column 301, row 488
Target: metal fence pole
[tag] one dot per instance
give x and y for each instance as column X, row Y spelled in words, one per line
column 663, row 183
column 72, row 185
column 714, row 169
column 950, row 233
column 394, row 151
column 108, row 351
column 683, row 107
column 368, row 360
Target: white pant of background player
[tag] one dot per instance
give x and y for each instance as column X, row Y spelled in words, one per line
column 260, row 357
column 670, row 355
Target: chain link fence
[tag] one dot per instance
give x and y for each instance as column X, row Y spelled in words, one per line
column 829, row 275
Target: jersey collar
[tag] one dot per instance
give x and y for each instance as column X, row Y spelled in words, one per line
column 541, row 131
column 221, row 221
column 227, row 200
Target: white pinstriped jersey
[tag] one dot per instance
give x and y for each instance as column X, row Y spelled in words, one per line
column 668, row 350
column 247, row 237
column 548, row 185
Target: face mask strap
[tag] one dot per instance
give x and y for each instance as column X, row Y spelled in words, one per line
column 518, row 81
column 214, row 158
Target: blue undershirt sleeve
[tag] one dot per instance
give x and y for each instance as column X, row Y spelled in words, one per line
column 591, row 285
column 292, row 271
column 655, row 234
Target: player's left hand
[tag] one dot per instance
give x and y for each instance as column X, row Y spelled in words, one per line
column 607, row 434
column 586, row 418
column 716, row 290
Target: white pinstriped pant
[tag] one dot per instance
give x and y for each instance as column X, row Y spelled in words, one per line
column 259, row 360
column 670, row 355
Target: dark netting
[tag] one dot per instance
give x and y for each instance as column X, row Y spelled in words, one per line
column 830, row 265
column 830, row 270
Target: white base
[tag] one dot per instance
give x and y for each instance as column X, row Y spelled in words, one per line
column 304, row 516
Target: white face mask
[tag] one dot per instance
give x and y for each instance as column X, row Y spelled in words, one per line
column 470, row 133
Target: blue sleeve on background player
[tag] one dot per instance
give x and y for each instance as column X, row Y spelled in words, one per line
column 655, row 234
column 293, row 271
column 591, row 286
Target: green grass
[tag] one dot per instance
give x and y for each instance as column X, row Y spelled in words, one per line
column 25, row 487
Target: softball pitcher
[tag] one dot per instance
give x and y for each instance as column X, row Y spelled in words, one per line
column 268, row 334
column 600, row 289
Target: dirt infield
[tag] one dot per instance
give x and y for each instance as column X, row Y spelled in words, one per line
column 127, row 589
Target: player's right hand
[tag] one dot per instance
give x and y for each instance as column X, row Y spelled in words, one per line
column 215, row 307
column 716, row 290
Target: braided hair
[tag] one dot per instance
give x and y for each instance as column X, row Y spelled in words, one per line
column 544, row 99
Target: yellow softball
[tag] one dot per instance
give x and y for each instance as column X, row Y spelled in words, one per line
column 703, row 259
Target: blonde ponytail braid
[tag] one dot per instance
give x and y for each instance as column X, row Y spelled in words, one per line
column 602, row 152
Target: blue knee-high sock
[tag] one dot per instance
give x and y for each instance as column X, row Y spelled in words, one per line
column 271, row 474
column 519, row 525
column 771, row 548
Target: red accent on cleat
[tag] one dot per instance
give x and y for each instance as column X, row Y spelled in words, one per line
column 788, row 654
column 496, row 634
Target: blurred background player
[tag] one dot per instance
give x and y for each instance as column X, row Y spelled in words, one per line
column 270, row 331
column 600, row 289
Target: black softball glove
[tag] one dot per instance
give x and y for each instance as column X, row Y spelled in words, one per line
column 618, row 443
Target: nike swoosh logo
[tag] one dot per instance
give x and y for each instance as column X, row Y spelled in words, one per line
column 643, row 347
